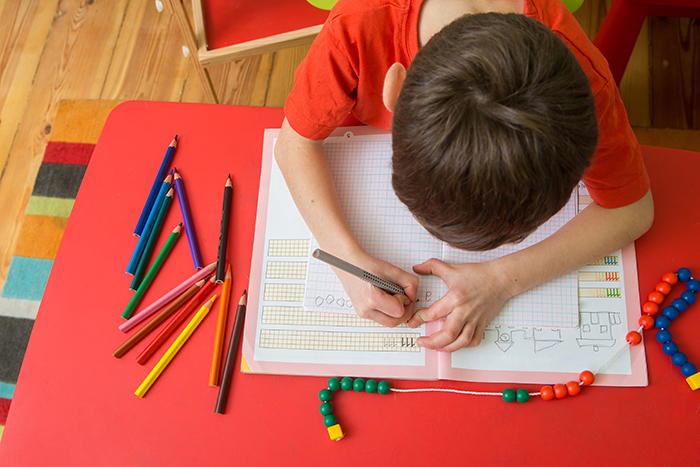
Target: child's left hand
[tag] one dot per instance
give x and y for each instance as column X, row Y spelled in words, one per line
column 477, row 293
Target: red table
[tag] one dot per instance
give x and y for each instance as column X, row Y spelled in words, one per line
column 75, row 405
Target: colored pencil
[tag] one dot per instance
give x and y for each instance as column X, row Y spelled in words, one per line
column 148, row 206
column 165, row 299
column 187, row 219
column 151, row 274
column 152, row 240
column 231, row 356
column 157, row 319
column 174, row 349
column 223, row 234
column 147, row 229
column 172, row 325
column 220, row 330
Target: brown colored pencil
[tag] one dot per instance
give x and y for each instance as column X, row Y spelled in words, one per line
column 223, row 233
column 231, row 356
column 157, row 319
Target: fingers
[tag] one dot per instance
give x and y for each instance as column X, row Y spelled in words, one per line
column 433, row 266
column 453, row 337
column 437, row 310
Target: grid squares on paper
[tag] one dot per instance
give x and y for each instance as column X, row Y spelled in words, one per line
column 339, row 341
column 284, row 292
column 297, row 316
column 286, row 270
column 297, row 248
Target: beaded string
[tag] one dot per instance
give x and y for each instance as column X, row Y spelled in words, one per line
column 558, row 391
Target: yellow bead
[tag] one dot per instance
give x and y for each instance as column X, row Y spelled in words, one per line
column 335, row 432
column 694, row 381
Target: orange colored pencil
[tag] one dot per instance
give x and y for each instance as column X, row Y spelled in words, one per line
column 172, row 325
column 220, row 330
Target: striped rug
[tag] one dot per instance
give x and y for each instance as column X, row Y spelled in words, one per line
column 73, row 136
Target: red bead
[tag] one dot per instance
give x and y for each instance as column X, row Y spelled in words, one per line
column 573, row 388
column 634, row 338
column 586, row 377
column 547, row 393
column 656, row 297
column 646, row 321
column 664, row 288
column 560, row 391
column 650, row 308
column 670, row 277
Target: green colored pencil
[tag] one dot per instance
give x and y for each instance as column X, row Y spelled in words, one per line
column 152, row 239
column 164, row 252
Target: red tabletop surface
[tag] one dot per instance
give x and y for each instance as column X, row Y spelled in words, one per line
column 75, row 405
column 230, row 22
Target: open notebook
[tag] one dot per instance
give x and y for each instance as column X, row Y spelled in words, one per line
column 300, row 320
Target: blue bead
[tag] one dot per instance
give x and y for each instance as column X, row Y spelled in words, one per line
column 663, row 322
column 684, row 274
column 688, row 369
column 663, row 336
column 670, row 348
column 680, row 304
column 689, row 297
column 693, row 284
column 679, row 359
column 670, row 312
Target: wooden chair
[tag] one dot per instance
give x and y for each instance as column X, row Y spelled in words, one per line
column 240, row 29
column 618, row 33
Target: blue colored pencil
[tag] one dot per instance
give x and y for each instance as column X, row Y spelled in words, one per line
column 143, row 239
column 187, row 219
column 148, row 207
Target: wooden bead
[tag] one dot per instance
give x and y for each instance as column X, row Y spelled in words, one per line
column 634, row 338
column 522, row 396
column 670, row 277
column 509, row 395
column 656, row 297
column 346, row 384
column 547, row 393
column 650, row 308
column 664, row 288
column 333, row 384
column 587, row 378
column 325, row 395
column 560, row 391
column 383, row 387
column 573, row 388
column 684, row 274
column 646, row 321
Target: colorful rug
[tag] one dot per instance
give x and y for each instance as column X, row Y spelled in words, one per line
column 73, row 137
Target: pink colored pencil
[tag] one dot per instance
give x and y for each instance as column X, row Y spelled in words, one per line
column 174, row 322
column 165, row 299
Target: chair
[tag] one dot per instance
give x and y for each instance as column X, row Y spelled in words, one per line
column 618, row 33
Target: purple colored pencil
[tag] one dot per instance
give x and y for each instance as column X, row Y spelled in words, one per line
column 187, row 219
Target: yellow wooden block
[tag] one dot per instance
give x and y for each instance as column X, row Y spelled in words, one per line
column 335, row 432
column 693, row 381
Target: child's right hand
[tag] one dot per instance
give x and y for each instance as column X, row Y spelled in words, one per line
column 373, row 303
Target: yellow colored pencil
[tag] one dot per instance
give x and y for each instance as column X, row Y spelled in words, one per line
column 220, row 330
column 172, row 351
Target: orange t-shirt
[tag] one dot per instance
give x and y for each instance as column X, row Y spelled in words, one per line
column 345, row 68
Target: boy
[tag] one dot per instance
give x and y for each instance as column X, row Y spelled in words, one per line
column 495, row 121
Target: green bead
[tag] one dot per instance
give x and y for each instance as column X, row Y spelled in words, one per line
column 383, row 387
column 325, row 395
column 522, row 396
column 330, row 420
column 333, row 384
column 346, row 384
column 359, row 385
column 371, row 386
column 508, row 395
column 326, row 408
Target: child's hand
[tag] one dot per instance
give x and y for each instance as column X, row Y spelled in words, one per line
column 477, row 293
column 373, row 303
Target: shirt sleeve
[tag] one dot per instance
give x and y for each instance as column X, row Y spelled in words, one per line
column 617, row 176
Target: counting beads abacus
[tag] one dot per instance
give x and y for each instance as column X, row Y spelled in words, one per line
column 670, row 313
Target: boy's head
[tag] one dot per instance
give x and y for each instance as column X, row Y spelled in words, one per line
column 494, row 126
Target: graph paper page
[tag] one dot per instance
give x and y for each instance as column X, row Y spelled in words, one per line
column 387, row 230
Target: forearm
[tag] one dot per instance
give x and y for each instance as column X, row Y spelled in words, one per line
column 305, row 170
column 592, row 234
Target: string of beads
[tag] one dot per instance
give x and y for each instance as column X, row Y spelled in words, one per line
column 560, row 390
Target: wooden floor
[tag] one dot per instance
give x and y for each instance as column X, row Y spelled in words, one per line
column 124, row 49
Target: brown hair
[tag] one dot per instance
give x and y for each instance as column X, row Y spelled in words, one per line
column 493, row 128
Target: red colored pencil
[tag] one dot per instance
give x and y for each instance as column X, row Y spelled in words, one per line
column 175, row 321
